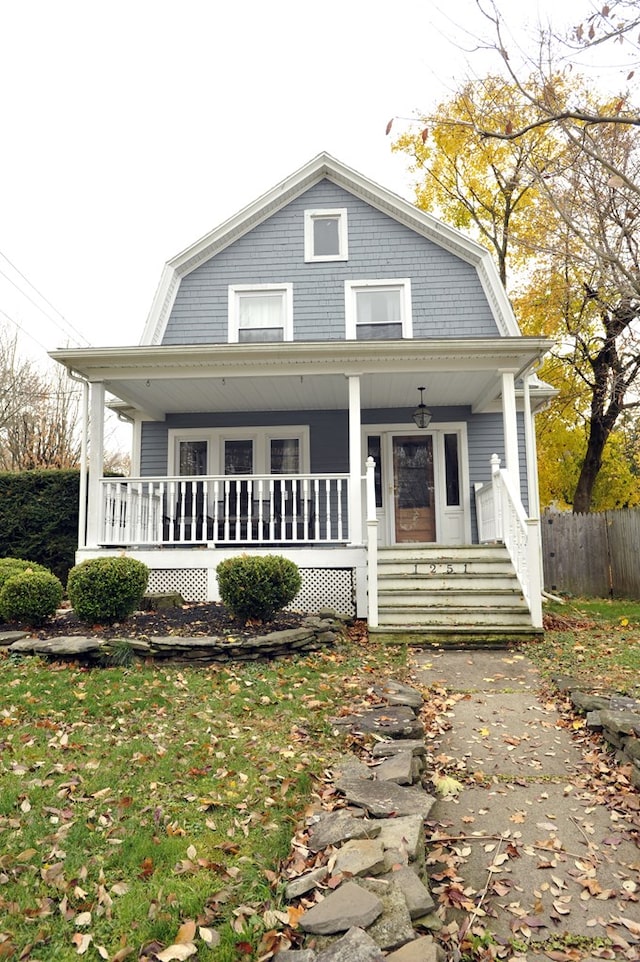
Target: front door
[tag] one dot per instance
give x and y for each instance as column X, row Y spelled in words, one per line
column 414, row 488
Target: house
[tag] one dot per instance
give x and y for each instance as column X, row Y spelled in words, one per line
column 328, row 375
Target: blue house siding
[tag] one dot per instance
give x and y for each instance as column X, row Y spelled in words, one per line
column 447, row 297
column 329, row 438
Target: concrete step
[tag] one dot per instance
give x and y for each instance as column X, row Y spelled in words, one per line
column 463, row 597
column 412, row 616
column 444, row 636
column 403, row 581
column 441, row 552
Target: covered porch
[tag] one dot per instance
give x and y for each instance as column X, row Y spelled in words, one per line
column 344, row 404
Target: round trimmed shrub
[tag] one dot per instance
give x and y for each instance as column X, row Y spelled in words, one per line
column 16, row 566
column 107, row 589
column 30, row 597
column 257, row 586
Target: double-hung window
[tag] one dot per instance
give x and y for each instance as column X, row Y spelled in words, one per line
column 378, row 309
column 260, row 312
column 325, row 234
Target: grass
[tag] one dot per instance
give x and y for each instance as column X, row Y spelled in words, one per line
column 596, row 641
column 134, row 799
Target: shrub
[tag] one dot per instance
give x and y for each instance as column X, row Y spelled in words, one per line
column 257, row 587
column 31, row 597
column 9, row 567
column 107, row 589
column 39, row 517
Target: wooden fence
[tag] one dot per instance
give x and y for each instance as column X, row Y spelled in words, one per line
column 593, row 555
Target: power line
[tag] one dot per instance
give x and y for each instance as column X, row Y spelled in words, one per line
column 24, row 330
column 70, row 328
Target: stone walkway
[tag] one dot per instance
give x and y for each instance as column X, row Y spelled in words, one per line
column 522, row 861
column 553, row 860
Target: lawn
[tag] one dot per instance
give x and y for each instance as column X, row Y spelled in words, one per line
column 595, row 641
column 146, row 806
column 143, row 807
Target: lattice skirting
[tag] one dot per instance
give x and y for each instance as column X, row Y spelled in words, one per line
column 190, row 582
column 321, row 587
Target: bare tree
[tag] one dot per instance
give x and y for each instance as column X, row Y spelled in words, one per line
column 43, row 432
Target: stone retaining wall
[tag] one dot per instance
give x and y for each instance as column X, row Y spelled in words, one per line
column 315, row 632
column 618, row 718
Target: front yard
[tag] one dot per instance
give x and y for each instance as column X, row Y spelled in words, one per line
column 138, row 800
column 144, row 807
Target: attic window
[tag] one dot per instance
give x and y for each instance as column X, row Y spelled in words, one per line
column 260, row 312
column 325, row 234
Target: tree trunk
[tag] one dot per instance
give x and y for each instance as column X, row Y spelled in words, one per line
column 590, row 467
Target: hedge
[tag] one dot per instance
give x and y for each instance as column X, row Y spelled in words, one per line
column 39, row 518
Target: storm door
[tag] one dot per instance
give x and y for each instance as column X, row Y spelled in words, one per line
column 414, row 488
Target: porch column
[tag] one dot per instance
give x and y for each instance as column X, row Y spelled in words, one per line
column 355, row 461
column 533, row 492
column 510, row 427
column 96, row 463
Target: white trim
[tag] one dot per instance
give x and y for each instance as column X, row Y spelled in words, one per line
column 136, row 446
column 320, row 213
column 215, row 438
column 351, row 289
column 236, row 290
column 96, row 463
column 437, row 429
column 510, row 428
column 355, row 458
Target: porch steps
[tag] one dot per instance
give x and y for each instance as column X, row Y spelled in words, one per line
column 466, row 594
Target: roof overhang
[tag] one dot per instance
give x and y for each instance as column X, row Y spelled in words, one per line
column 154, row 381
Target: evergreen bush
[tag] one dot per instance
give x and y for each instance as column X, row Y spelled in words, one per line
column 107, row 589
column 30, row 597
column 9, row 567
column 39, row 517
column 257, row 586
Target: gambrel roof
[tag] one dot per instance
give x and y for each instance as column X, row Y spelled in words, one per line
column 320, row 168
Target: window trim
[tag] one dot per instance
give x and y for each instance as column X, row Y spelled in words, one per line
column 343, row 234
column 351, row 288
column 215, row 438
column 236, row 290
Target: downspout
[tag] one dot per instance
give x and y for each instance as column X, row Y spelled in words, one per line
column 82, row 506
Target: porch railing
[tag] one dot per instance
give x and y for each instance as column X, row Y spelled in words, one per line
column 501, row 517
column 243, row 509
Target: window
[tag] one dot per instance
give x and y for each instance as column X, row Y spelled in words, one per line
column 378, row 310
column 238, row 456
column 374, row 450
column 245, row 450
column 284, row 455
column 193, row 457
column 260, row 312
column 451, row 468
column 325, row 235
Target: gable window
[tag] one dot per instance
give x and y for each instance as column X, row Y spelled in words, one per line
column 325, row 235
column 260, row 312
column 378, row 309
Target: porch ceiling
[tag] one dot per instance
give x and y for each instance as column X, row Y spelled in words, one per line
column 154, row 381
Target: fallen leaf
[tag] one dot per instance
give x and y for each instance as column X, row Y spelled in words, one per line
column 177, row 952
column 81, row 942
column 186, row 932
column 210, row 936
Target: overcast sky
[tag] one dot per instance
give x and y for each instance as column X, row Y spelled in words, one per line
column 131, row 128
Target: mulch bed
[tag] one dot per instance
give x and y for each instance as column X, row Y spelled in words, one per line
column 189, row 620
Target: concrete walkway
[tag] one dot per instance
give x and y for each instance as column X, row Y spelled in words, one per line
column 555, row 864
